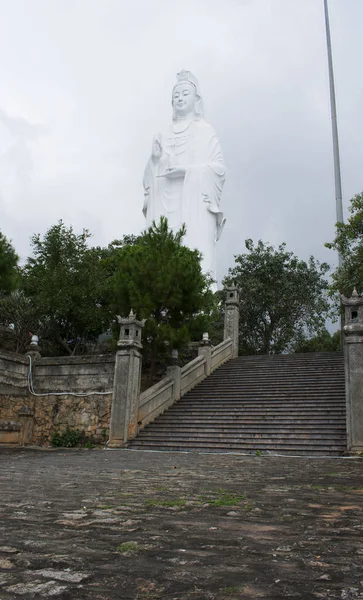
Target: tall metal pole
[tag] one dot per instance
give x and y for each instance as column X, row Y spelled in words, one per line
column 337, row 172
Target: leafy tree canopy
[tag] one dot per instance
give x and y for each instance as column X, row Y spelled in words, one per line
column 323, row 342
column 21, row 319
column 282, row 298
column 63, row 281
column 349, row 243
column 8, row 266
column 162, row 281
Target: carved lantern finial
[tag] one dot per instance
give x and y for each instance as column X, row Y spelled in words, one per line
column 353, row 314
column 130, row 331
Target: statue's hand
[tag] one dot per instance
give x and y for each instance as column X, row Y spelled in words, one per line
column 173, row 173
column 156, row 150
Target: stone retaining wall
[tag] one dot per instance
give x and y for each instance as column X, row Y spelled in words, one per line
column 54, row 413
column 13, row 374
column 33, row 418
column 74, row 373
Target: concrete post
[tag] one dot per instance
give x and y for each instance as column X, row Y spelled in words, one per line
column 206, row 351
column 127, row 382
column 231, row 318
column 174, row 372
column 353, row 359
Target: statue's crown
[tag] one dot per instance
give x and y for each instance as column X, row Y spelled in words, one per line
column 187, row 76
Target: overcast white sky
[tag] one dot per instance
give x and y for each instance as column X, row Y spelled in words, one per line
column 86, row 83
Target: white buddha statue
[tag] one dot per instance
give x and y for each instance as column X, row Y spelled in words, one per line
column 185, row 174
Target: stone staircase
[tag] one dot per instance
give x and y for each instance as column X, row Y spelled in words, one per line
column 283, row 404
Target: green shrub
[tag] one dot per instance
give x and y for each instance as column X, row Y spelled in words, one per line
column 70, row 438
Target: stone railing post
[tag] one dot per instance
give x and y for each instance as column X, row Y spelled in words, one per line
column 206, row 351
column 174, row 372
column 231, row 318
column 353, row 360
column 127, row 382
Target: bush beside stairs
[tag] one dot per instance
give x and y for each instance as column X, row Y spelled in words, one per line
column 282, row 404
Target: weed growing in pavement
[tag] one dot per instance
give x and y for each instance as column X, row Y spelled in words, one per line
column 230, row 589
column 129, row 548
column 167, row 503
column 148, row 595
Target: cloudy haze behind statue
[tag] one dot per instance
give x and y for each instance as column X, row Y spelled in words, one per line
column 86, row 84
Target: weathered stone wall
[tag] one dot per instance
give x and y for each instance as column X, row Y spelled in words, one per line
column 13, row 374
column 50, row 413
column 90, row 414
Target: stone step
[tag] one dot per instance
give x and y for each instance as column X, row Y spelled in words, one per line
column 256, row 410
column 318, row 372
column 248, row 429
column 316, row 395
column 243, row 444
column 222, row 386
column 274, row 404
column 272, row 450
column 250, row 447
column 246, row 402
column 268, row 384
column 281, row 421
column 318, row 367
column 315, row 357
column 242, row 436
column 321, row 389
column 276, row 364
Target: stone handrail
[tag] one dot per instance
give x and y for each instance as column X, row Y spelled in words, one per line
column 155, row 400
column 192, row 374
column 221, row 353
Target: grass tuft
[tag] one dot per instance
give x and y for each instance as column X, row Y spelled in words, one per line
column 166, row 503
column 129, row 548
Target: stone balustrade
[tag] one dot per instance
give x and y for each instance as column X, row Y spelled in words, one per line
column 221, row 353
column 156, row 400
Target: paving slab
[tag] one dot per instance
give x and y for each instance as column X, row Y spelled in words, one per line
column 122, row 524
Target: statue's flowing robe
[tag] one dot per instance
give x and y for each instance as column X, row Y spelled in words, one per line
column 195, row 199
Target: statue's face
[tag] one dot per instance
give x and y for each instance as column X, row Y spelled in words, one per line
column 184, row 98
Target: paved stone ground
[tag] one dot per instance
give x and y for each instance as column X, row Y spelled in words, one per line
column 102, row 525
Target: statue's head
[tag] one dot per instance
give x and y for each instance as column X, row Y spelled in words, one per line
column 186, row 99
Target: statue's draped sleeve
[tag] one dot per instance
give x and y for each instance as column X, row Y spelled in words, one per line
column 204, row 181
column 149, row 184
